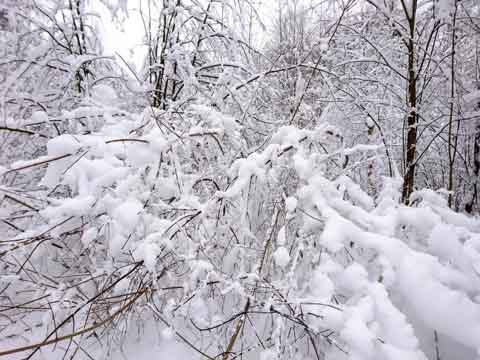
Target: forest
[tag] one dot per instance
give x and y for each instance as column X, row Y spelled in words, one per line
column 240, row 179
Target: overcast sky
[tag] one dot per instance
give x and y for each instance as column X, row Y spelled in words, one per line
column 126, row 39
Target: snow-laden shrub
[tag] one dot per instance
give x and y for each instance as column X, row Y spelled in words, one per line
column 153, row 220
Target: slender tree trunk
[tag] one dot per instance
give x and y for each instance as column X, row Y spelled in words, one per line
column 371, row 164
column 452, row 138
column 412, row 119
column 476, row 170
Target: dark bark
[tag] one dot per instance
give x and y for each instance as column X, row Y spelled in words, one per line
column 412, row 119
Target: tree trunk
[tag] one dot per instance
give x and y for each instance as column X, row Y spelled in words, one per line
column 476, row 170
column 412, row 119
column 452, row 138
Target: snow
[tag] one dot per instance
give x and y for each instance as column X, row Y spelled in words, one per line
column 39, row 117
column 245, row 169
column 417, row 287
column 356, row 333
column 445, row 8
column 291, row 204
column 147, row 251
column 472, row 97
column 127, row 214
column 125, row 218
column 353, row 279
column 211, row 220
column 281, row 256
column 460, row 316
column 268, row 355
column 156, row 140
column 324, row 44
column 299, row 87
column 356, row 193
column 104, row 94
column 288, row 136
column 322, row 286
column 78, row 206
column 380, row 295
column 214, row 121
column 444, row 242
column 88, row 236
column 168, row 334
column 281, row 237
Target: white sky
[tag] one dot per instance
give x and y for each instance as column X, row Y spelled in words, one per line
column 126, row 39
column 124, row 35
